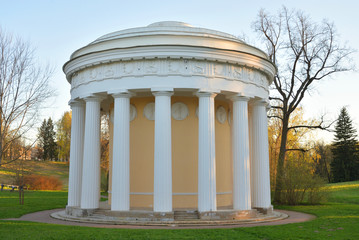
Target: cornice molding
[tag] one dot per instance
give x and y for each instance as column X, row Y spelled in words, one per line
column 171, row 53
column 170, row 67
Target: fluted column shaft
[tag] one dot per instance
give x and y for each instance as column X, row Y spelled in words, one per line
column 162, row 199
column 241, row 161
column 206, row 153
column 76, row 153
column 120, row 197
column 260, row 156
column 90, row 195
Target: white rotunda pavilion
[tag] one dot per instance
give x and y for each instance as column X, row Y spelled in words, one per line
column 188, row 129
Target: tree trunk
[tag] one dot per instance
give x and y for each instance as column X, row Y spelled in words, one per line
column 280, row 162
column 1, row 132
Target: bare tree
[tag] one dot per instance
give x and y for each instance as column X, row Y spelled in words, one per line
column 304, row 52
column 24, row 88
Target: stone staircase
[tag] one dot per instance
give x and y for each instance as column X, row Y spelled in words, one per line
column 186, row 215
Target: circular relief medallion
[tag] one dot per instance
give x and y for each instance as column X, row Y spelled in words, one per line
column 179, row 111
column 149, row 111
column 221, row 114
column 133, row 112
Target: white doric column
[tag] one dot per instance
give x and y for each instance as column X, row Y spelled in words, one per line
column 76, row 152
column 241, row 161
column 260, row 156
column 90, row 195
column 162, row 198
column 206, row 153
column 120, row 192
column 250, row 123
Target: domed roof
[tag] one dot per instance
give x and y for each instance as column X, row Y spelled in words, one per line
column 168, row 33
column 165, row 28
column 169, row 23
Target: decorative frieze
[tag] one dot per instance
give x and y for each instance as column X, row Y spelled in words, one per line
column 168, row 67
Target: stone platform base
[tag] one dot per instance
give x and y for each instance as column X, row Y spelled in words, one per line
column 177, row 218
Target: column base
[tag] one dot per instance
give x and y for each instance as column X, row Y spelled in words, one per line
column 228, row 215
column 108, row 215
column 268, row 210
column 180, row 215
column 79, row 212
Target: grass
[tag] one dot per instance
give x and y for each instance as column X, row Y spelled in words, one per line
column 34, row 201
column 46, row 168
column 336, row 219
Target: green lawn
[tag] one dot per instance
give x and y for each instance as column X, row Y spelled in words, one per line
column 337, row 219
column 45, row 168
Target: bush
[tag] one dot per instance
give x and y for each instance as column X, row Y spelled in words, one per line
column 38, row 182
column 301, row 184
column 104, row 180
column 316, row 192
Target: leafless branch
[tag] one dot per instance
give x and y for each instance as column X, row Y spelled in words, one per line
column 297, row 149
column 24, row 88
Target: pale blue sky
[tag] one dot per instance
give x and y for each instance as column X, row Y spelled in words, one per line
column 57, row 28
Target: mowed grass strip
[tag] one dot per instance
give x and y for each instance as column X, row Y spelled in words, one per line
column 34, row 201
column 336, row 219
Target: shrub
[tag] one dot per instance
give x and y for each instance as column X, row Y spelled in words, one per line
column 38, row 182
column 316, row 192
column 301, row 184
column 104, row 180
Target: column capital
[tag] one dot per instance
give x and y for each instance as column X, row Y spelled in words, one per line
column 206, row 94
column 162, row 89
column 260, row 102
column 74, row 103
column 162, row 93
column 239, row 97
column 121, row 93
column 93, row 98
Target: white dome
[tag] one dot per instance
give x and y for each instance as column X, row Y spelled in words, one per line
column 169, row 24
column 166, row 28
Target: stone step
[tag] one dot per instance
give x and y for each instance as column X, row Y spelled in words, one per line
column 186, row 215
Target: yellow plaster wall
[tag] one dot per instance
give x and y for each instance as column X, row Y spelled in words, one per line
column 184, row 157
column 141, row 155
column 110, row 158
column 224, row 173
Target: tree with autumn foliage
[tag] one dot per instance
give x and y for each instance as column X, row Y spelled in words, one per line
column 105, row 152
column 305, row 52
column 296, row 140
column 63, row 136
column 301, row 183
